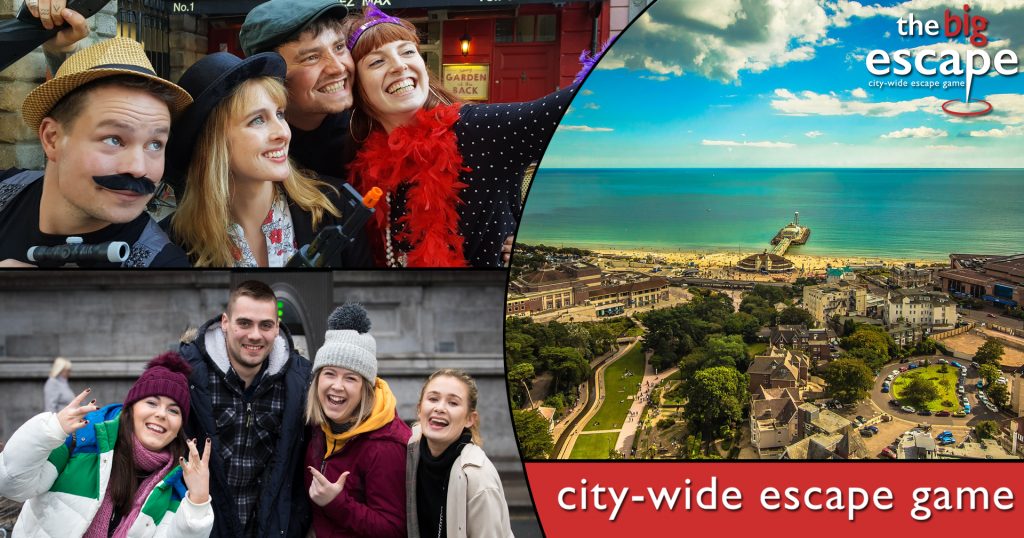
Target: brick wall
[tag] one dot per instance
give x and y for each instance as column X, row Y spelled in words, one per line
column 187, row 42
column 19, row 146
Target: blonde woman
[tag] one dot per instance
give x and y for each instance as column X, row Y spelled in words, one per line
column 57, row 393
column 243, row 202
column 356, row 455
column 452, row 489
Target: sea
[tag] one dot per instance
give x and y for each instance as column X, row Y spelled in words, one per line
column 921, row 214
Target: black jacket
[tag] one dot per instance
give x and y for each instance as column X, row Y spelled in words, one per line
column 283, row 506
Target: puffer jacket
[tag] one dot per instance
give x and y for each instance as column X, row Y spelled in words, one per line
column 475, row 505
column 60, row 482
column 372, row 503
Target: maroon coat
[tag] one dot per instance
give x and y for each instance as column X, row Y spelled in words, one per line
column 373, row 500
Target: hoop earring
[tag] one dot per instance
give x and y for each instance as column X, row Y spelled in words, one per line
column 352, row 130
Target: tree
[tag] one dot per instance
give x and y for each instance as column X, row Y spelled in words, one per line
column 534, row 434
column 568, row 367
column 998, row 394
column 990, row 352
column 849, row 380
column 518, row 378
column 873, row 358
column 725, row 351
column 794, row 315
column 743, row 324
column 986, row 429
column 919, row 392
column 870, row 337
column 716, row 397
column 849, row 326
column 989, row 372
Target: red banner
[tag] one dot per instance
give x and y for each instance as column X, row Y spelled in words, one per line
column 776, row 498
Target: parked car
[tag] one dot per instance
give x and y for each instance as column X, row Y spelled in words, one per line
column 959, row 414
column 991, row 407
column 888, row 453
column 912, row 366
column 874, row 429
column 946, row 441
column 942, row 413
column 895, row 372
column 955, row 364
column 903, row 368
column 974, row 365
column 885, row 389
column 960, row 389
column 924, row 413
column 979, row 384
column 907, row 409
column 866, row 433
column 861, row 419
column 967, row 408
column 943, row 361
column 894, row 402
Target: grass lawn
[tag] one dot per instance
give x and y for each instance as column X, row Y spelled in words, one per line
column 617, row 388
column 594, row 446
column 757, row 348
column 944, row 383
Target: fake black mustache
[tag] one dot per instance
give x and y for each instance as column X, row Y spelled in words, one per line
column 126, row 182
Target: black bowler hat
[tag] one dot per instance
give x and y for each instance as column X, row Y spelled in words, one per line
column 210, row 80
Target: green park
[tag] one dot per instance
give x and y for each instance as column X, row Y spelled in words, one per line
column 594, row 446
column 932, row 387
column 621, row 381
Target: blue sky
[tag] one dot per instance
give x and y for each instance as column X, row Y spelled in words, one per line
column 783, row 83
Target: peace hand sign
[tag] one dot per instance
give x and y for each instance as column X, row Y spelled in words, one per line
column 196, row 472
column 71, row 417
column 322, row 491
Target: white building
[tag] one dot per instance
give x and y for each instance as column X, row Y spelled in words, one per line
column 920, row 307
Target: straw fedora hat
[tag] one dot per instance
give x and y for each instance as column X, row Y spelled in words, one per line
column 111, row 57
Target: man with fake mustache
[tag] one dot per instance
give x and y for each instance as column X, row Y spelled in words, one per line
column 103, row 122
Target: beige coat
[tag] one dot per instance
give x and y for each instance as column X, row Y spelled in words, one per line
column 475, row 506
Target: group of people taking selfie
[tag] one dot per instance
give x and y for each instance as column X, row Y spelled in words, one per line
column 236, row 434
column 258, row 150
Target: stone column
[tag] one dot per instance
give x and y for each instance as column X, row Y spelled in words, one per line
column 187, row 42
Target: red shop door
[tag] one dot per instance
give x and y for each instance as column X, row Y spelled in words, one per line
column 524, row 72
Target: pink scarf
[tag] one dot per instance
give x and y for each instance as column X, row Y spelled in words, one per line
column 156, row 463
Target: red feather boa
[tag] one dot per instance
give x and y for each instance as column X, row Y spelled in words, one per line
column 424, row 154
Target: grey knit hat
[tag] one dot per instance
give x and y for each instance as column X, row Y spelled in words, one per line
column 347, row 343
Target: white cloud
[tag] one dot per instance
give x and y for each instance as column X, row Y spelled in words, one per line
column 584, row 128
column 809, row 103
column 591, row 106
column 744, row 143
column 1013, row 130
column 656, row 78
column 859, row 93
column 917, row 132
column 720, row 39
column 813, row 134
column 586, row 92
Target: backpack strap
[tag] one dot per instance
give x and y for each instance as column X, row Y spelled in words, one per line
column 151, row 241
column 11, row 187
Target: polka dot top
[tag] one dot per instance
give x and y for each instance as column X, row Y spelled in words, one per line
column 498, row 142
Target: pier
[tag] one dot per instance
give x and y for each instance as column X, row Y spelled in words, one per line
column 790, row 234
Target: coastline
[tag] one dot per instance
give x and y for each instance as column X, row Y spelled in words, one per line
column 807, row 263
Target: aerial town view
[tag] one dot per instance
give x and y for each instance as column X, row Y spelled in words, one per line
column 782, row 266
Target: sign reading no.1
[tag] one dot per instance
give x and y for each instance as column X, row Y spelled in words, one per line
column 467, row 81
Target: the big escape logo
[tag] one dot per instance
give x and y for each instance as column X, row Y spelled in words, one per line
column 974, row 61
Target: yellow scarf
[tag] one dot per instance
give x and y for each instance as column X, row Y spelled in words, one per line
column 384, row 404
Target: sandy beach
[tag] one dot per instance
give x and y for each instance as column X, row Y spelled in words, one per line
column 805, row 264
